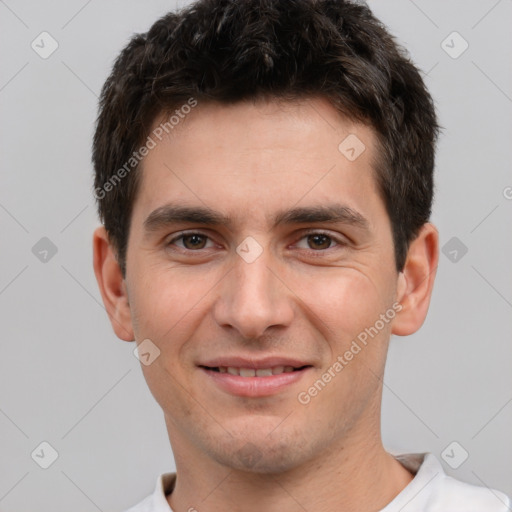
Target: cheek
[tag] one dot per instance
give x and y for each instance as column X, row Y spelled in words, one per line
column 346, row 306
column 343, row 301
column 167, row 301
column 167, row 309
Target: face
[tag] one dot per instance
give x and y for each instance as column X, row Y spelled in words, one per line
column 259, row 252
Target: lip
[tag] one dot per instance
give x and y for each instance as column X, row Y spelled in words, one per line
column 246, row 362
column 254, row 386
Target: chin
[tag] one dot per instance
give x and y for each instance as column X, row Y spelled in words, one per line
column 254, row 459
column 260, row 453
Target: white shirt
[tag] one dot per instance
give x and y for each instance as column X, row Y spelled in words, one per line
column 431, row 490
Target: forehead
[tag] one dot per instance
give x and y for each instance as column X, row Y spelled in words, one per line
column 256, row 158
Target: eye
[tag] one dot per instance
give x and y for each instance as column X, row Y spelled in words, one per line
column 191, row 241
column 320, row 241
column 316, row 241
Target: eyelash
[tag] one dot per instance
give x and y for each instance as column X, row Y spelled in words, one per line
column 341, row 243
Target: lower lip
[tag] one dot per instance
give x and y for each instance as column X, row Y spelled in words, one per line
column 254, row 386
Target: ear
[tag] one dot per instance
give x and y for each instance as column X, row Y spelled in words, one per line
column 112, row 285
column 416, row 281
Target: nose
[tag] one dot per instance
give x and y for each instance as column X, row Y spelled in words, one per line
column 252, row 298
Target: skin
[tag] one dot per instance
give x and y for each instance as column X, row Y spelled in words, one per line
column 301, row 297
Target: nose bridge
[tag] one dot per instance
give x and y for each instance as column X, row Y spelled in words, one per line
column 252, row 280
column 252, row 298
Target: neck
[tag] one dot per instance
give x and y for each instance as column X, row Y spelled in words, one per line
column 356, row 474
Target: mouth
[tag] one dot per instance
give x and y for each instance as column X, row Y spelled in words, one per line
column 249, row 379
column 255, row 372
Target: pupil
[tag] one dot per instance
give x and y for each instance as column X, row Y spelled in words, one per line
column 195, row 240
column 318, row 241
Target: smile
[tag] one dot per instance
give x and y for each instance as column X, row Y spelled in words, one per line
column 253, row 372
column 254, row 382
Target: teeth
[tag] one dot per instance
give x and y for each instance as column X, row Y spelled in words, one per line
column 264, row 372
column 251, row 372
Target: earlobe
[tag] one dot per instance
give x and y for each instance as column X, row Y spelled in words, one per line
column 416, row 281
column 112, row 285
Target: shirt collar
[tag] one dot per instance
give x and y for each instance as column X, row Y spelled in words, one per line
column 424, row 466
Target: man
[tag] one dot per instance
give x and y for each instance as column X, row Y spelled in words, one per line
column 264, row 174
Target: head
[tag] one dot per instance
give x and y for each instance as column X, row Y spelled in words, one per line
column 294, row 142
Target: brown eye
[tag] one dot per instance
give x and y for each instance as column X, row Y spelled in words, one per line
column 194, row 241
column 319, row 241
column 191, row 241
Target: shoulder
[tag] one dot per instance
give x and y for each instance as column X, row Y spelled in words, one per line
column 458, row 496
column 432, row 490
column 144, row 506
column 157, row 502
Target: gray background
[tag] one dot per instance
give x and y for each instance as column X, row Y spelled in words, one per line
column 65, row 377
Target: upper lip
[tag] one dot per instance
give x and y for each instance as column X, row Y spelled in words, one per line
column 244, row 362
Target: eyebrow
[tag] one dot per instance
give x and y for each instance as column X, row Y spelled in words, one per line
column 332, row 213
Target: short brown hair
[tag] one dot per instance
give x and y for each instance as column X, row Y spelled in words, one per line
column 229, row 51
